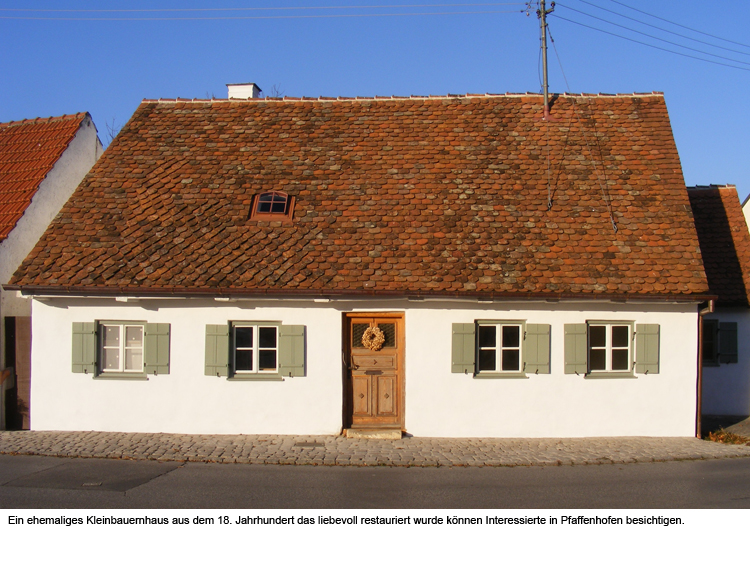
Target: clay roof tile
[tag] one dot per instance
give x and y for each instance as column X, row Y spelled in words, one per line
column 448, row 195
column 29, row 149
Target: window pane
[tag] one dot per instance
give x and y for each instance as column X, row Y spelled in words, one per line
column 511, row 360
column 597, row 336
column 133, row 336
column 487, row 360
column 134, row 359
column 111, row 359
column 243, row 337
column 266, row 360
column 111, row 336
column 709, row 347
column 357, row 331
column 243, row 360
column 389, row 333
column 620, row 335
column 487, row 337
column 272, row 202
column 511, row 336
column 267, row 337
column 620, row 360
column 598, row 360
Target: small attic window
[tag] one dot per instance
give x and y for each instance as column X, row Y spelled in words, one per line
column 272, row 205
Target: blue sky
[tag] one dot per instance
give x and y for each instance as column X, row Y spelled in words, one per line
column 106, row 62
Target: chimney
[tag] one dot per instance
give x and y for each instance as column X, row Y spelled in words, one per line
column 244, row 90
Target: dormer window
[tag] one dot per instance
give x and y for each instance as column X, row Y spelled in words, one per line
column 272, row 205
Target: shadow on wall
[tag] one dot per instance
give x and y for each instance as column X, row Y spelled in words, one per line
column 16, row 412
column 720, row 260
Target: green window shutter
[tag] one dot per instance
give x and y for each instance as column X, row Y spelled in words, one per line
column 728, row 342
column 463, row 348
column 217, row 349
column 84, row 347
column 710, row 342
column 576, row 348
column 292, row 350
column 647, row 348
column 536, row 348
column 156, row 348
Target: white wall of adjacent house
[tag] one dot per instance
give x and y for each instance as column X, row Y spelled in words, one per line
column 726, row 387
column 438, row 403
column 52, row 194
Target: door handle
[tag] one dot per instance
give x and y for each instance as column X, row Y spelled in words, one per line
column 348, row 365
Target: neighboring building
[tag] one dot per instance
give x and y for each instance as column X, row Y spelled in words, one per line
column 725, row 245
column 41, row 163
column 448, row 266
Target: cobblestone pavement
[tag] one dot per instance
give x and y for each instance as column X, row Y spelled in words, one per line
column 340, row 451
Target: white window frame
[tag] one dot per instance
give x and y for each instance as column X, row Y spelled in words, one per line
column 255, row 349
column 608, row 348
column 499, row 347
column 122, row 347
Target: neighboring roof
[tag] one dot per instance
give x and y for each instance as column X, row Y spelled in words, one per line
column 29, row 150
column 406, row 196
column 724, row 241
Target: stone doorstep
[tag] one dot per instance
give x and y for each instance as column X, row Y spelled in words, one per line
column 376, row 433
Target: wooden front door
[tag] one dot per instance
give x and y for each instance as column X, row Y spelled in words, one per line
column 373, row 350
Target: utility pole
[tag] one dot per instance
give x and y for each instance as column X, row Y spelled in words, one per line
column 542, row 15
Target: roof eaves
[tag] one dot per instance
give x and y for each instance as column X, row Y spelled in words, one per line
column 156, row 292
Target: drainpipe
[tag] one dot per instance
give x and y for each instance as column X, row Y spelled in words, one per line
column 703, row 310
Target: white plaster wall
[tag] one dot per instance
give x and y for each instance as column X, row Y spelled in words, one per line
column 438, row 403
column 52, row 194
column 726, row 388
column 185, row 401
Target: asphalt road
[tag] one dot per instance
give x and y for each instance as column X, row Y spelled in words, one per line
column 46, row 482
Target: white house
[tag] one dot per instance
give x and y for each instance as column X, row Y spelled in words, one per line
column 444, row 266
column 725, row 244
column 41, row 163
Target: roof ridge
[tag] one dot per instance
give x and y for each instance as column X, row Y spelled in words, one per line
column 41, row 120
column 379, row 98
column 713, row 187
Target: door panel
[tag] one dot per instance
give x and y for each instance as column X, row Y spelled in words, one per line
column 374, row 375
column 386, row 386
column 361, row 393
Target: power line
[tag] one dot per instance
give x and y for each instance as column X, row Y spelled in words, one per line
column 665, row 29
column 652, row 46
column 680, row 25
column 606, row 197
column 654, row 37
column 257, row 9
column 295, row 17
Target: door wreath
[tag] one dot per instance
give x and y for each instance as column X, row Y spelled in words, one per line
column 373, row 338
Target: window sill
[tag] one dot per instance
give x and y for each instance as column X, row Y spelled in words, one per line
column 509, row 375
column 256, row 377
column 610, row 375
column 122, row 377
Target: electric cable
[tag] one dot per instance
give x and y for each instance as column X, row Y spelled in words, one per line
column 655, row 37
column 682, row 26
column 666, row 30
column 649, row 45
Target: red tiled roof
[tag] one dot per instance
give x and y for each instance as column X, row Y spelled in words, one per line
column 29, row 150
column 724, row 241
column 422, row 195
